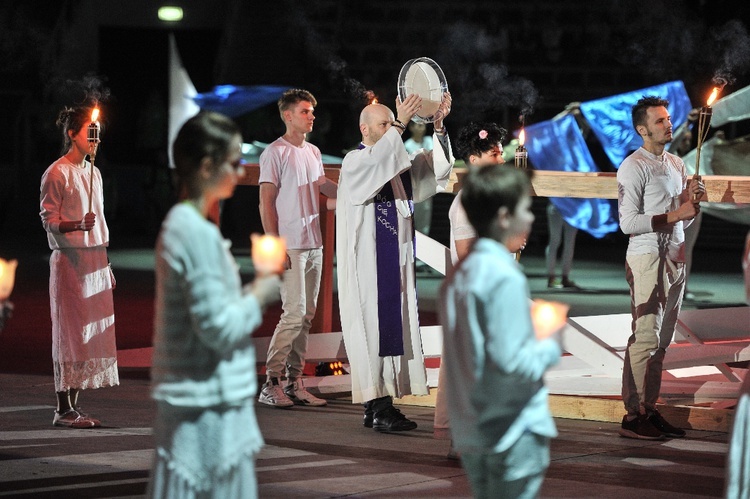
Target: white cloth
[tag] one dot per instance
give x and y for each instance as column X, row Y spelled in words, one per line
column 65, row 197
column 413, row 146
column 297, row 173
column 203, row 370
column 738, row 459
column 364, row 172
column 203, row 352
column 494, row 363
column 461, row 228
column 84, row 350
column 204, row 453
column 651, row 185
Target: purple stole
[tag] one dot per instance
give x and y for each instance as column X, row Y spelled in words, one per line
column 390, row 321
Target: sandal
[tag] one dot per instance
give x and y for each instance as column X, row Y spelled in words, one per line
column 72, row 419
column 96, row 422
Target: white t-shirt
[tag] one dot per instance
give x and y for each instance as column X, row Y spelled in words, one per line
column 297, row 173
column 461, row 228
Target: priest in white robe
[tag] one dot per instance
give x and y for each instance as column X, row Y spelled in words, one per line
column 375, row 252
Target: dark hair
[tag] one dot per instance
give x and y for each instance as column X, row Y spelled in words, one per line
column 488, row 189
column 641, row 107
column 470, row 143
column 72, row 119
column 294, row 95
column 207, row 134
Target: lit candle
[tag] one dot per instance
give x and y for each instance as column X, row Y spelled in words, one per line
column 7, row 277
column 268, row 254
column 522, row 155
column 548, row 317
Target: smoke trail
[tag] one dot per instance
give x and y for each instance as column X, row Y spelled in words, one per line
column 481, row 88
column 324, row 54
column 733, row 44
column 86, row 91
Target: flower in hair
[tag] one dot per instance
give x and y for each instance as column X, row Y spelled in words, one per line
column 482, row 134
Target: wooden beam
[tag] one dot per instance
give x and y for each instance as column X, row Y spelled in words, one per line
column 719, row 188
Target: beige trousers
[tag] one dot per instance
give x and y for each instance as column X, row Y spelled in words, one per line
column 299, row 298
column 656, row 287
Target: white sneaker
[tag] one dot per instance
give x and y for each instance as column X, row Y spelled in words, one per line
column 299, row 396
column 272, row 394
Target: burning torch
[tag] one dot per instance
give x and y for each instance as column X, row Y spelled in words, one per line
column 93, row 139
column 704, row 122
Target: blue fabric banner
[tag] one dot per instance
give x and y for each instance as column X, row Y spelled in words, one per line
column 234, row 101
column 558, row 145
column 611, row 121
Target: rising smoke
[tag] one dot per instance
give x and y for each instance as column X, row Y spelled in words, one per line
column 671, row 41
column 481, row 88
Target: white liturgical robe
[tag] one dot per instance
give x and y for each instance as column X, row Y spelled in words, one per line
column 364, row 173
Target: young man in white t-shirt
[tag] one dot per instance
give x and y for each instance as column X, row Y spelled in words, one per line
column 291, row 179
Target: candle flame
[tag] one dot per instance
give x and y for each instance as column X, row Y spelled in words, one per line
column 94, row 115
column 713, row 96
column 522, row 137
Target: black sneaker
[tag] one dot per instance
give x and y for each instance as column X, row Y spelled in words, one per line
column 664, row 427
column 391, row 419
column 641, row 428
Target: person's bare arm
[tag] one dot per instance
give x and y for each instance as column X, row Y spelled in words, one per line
column 269, row 217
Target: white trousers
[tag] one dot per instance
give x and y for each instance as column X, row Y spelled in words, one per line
column 299, row 298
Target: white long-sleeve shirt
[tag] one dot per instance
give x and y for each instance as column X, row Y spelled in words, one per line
column 651, row 185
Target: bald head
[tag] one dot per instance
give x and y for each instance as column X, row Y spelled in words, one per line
column 374, row 121
column 375, row 112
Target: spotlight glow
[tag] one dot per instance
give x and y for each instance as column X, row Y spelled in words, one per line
column 170, row 13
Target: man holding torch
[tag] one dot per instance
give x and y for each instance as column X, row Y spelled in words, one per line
column 656, row 202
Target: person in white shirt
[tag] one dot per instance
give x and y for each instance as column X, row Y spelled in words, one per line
column 655, row 203
column 493, row 358
column 291, row 180
column 84, row 351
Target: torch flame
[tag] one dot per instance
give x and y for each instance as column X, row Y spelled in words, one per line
column 713, row 96
column 94, row 115
column 522, row 137
column 374, row 100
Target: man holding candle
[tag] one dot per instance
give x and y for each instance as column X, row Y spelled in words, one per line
column 291, row 180
column 495, row 354
column 656, row 203
column 378, row 185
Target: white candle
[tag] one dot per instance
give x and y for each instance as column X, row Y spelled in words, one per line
column 548, row 317
column 268, row 254
column 7, row 277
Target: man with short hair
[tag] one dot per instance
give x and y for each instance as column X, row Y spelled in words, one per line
column 291, row 180
column 655, row 202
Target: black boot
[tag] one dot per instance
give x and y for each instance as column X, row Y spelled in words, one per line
column 369, row 413
column 387, row 418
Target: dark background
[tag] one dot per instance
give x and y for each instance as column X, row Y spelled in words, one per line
column 501, row 59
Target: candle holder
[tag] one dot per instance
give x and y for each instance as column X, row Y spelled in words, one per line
column 93, row 140
column 522, row 155
column 704, row 123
